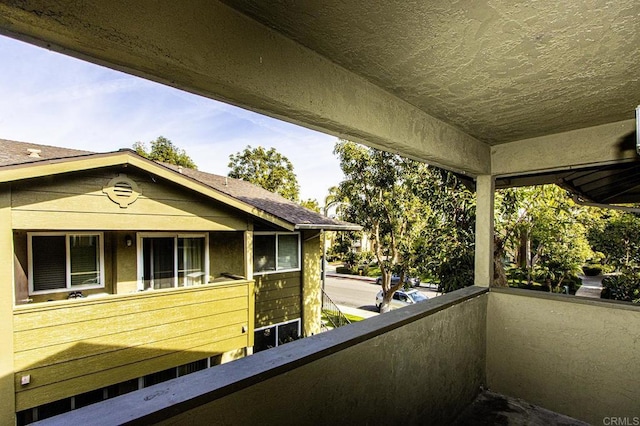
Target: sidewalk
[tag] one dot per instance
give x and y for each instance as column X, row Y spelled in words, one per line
column 357, row 312
column 591, row 287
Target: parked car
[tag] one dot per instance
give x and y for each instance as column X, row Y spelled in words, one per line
column 410, row 281
column 402, row 298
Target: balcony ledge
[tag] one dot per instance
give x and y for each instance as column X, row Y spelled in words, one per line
column 165, row 400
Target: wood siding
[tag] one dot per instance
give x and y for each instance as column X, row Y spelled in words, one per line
column 76, row 201
column 71, row 347
column 278, row 298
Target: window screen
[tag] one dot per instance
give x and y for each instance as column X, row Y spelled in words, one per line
column 191, row 261
column 264, row 253
column 264, row 339
column 287, row 252
column 49, row 262
column 288, row 332
column 84, row 251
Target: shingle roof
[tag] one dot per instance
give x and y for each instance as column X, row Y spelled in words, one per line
column 264, row 200
column 16, row 153
column 13, row 152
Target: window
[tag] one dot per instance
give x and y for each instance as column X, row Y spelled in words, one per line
column 63, row 262
column 171, row 260
column 276, row 335
column 275, row 252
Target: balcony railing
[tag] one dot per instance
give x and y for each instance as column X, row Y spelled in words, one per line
column 422, row 364
column 65, row 348
column 332, row 312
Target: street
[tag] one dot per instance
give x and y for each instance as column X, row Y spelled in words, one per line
column 357, row 293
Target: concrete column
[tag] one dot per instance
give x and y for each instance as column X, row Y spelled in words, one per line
column 485, row 189
column 311, row 283
column 7, row 402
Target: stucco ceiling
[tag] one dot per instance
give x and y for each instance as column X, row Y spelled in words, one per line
column 498, row 70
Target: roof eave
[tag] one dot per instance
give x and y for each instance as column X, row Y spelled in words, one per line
column 328, row 227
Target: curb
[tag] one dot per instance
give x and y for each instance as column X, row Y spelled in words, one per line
column 352, row 277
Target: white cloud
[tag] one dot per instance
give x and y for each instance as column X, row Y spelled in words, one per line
column 52, row 99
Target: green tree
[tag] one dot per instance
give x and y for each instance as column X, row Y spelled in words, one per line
column 382, row 190
column 162, row 149
column 539, row 229
column 617, row 236
column 311, row 204
column 266, row 168
column 333, row 199
column 448, row 250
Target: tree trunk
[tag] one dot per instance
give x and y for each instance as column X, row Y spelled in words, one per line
column 499, row 274
column 386, row 302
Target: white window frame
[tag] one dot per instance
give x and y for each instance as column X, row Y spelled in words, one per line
column 140, row 263
column 277, row 326
column 279, row 271
column 67, row 236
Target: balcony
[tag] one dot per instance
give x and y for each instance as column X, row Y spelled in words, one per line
column 423, row 364
column 63, row 348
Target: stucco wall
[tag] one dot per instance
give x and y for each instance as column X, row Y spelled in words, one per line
column 417, row 365
column 226, row 251
column 126, row 265
column 311, row 283
column 574, row 356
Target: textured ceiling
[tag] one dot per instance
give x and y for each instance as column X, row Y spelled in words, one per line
column 498, row 70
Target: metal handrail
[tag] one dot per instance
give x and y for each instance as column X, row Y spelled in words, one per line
column 332, row 312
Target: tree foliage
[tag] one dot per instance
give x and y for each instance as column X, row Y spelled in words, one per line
column 162, row 149
column 311, row 204
column 382, row 199
column 448, row 251
column 617, row 237
column 542, row 232
column 266, row 168
column 404, row 205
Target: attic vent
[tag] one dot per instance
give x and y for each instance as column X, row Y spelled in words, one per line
column 122, row 191
column 34, row 153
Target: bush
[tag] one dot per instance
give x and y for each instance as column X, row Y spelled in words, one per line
column 625, row 287
column 592, row 270
column 356, row 270
column 363, row 270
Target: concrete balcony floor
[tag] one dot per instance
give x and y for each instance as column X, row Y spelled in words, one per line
column 490, row 408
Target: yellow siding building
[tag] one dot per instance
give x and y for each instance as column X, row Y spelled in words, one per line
column 124, row 272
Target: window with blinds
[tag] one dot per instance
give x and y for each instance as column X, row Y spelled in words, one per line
column 62, row 262
column 276, row 252
column 49, row 262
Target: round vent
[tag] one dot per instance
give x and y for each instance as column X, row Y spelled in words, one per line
column 122, row 191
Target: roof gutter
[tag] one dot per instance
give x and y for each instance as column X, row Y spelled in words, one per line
column 577, row 200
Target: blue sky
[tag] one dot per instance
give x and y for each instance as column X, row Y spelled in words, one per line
column 52, row 99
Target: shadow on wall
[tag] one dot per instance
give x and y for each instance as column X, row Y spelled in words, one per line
column 63, row 381
column 278, row 298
